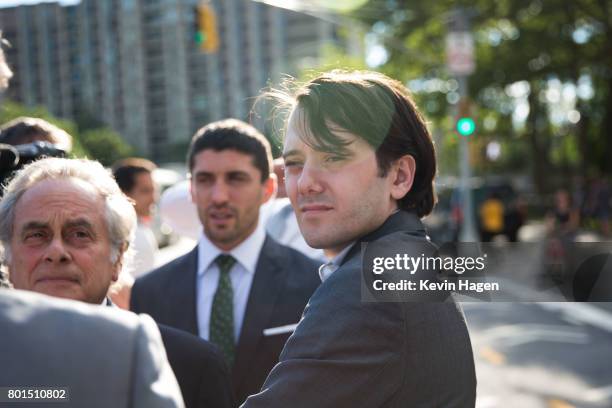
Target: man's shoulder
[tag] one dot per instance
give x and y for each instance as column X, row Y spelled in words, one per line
column 32, row 310
column 34, row 322
column 345, row 284
column 168, row 271
column 298, row 266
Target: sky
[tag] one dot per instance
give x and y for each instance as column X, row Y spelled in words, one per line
column 11, row 3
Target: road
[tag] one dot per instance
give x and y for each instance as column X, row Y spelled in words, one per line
column 541, row 355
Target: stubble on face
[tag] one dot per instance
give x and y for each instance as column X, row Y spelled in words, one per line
column 227, row 190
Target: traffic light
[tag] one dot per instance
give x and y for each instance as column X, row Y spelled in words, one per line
column 465, row 124
column 207, row 37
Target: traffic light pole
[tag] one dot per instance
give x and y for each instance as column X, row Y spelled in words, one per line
column 461, row 63
column 468, row 226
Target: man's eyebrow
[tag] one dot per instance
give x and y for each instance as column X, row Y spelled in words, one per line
column 34, row 225
column 79, row 222
column 291, row 153
column 238, row 173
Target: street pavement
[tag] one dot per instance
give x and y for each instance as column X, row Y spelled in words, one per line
column 541, row 355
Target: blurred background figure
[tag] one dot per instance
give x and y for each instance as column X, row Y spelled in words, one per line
column 279, row 170
column 596, row 207
column 5, row 75
column 26, row 139
column 491, row 217
column 135, row 178
column 515, row 216
column 564, row 219
column 24, row 130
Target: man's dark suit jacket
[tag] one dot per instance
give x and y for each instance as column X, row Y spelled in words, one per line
column 199, row 368
column 349, row 353
column 284, row 281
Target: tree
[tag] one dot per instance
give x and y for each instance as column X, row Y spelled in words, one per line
column 105, row 145
column 525, row 42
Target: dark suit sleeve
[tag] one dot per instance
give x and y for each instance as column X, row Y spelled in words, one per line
column 339, row 353
column 216, row 389
column 153, row 382
column 134, row 299
column 200, row 370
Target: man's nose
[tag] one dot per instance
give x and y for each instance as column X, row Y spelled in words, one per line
column 57, row 252
column 309, row 181
column 220, row 193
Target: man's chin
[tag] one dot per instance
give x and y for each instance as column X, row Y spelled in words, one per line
column 60, row 289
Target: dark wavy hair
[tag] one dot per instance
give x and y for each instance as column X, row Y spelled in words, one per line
column 233, row 134
column 378, row 109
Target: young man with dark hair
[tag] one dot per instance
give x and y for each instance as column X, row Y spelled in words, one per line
column 135, row 178
column 238, row 287
column 360, row 165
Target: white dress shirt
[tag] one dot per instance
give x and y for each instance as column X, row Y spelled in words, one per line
column 145, row 250
column 241, row 276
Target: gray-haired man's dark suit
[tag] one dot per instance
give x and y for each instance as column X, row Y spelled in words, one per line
column 349, row 353
column 283, row 282
column 106, row 358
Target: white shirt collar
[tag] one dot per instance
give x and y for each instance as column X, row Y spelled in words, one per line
column 330, row 267
column 246, row 253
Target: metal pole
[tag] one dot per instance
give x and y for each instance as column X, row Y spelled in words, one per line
column 468, row 226
column 460, row 23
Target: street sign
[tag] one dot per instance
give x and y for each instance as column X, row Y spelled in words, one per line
column 460, row 53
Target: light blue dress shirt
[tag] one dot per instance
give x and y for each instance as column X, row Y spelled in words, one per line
column 330, row 267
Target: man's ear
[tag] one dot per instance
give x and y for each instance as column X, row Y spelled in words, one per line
column 118, row 265
column 402, row 176
column 190, row 187
column 271, row 187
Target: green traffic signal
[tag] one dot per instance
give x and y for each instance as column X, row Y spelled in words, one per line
column 466, row 126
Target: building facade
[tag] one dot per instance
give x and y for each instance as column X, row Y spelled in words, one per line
column 135, row 66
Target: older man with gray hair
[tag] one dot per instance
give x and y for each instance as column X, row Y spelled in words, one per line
column 49, row 342
column 65, row 229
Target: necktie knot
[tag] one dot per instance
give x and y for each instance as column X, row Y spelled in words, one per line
column 225, row 263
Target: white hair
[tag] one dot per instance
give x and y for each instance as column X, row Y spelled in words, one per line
column 120, row 214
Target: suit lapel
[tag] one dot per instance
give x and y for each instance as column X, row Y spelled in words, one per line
column 182, row 294
column 404, row 221
column 265, row 289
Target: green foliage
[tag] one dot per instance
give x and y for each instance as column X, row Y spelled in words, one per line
column 98, row 143
column 529, row 41
column 105, row 145
column 11, row 110
column 332, row 57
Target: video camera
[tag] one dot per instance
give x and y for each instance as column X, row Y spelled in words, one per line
column 12, row 158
